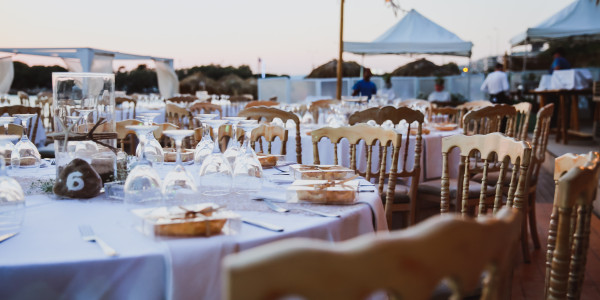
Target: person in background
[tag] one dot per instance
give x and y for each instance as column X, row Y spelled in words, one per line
column 365, row 87
column 559, row 62
column 439, row 94
column 387, row 91
column 496, row 85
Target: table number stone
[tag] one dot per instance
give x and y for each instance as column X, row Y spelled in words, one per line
column 78, row 180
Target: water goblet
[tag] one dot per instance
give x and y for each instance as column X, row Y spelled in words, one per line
column 215, row 173
column 143, row 185
column 233, row 146
column 205, row 146
column 247, row 170
column 12, row 198
column 179, row 186
column 25, row 152
column 153, row 148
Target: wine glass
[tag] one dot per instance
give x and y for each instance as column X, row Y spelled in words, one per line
column 153, row 148
column 179, row 186
column 215, row 172
column 8, row 145
column 143, row 185
column 233, row 147
column 247, row 170
column 5, row 121
column 25, row 152
column 205, row 146
column 12, row 198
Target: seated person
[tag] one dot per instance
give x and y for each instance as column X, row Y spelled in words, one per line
column 559, row 62
column 439, row 94
column 365, row 87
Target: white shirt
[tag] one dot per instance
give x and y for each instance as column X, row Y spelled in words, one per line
column 439, row 96
column 387, row 93
column 496, row 82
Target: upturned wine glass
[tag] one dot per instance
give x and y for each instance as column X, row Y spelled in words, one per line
column 247, row 170
column 143, row 185
column 179, row 186
column 26, row 152
column 215, row 175
column 12, row 198
column 205, row 146
column 233, row 147
column 7, row 145
column 153, row 148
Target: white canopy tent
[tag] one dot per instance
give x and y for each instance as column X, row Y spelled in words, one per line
column 101, row 61
column 580, row 18
column 414, row 33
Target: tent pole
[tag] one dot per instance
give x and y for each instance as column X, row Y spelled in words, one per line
column 362, row 63
column 469, row 80
column 338, row 90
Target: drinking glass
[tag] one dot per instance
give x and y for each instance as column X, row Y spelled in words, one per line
column 8, row 145
column 215, row 173
column 233, row 147
column 26, row 152
column 179, row 186
column 4, row 121
column 143, row 185
column 153, row 148
column 12, row 198
column 205, row 146
column 247, row 170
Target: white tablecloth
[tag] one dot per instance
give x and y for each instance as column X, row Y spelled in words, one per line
column 572, row 79
column 49, row 260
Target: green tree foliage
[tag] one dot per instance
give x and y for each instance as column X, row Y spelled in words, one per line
column 215, row 72
column 138, row 80
column 33, row 79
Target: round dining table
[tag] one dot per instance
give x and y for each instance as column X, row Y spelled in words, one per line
column 48, row 259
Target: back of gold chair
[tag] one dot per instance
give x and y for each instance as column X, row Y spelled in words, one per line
column 178, row 116
column 47, row 116
column 182, row 100
column 472, row 105
column 166, row 141
column 270, row 113
column 20, row 109
column 522, row 120
column 123, row 133
column 576, row 178
column 126, row 106
column 206, row 108
column 269, row 133
column 423, row 106
column 315, row 106
column 445, row 114
column 13, row 129
column 364, row 116
column 406, row 264
column 261, row 103
column 23, row 98
column 490, row 119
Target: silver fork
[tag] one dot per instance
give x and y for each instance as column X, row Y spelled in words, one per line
column 87, row 234
column 272, row 205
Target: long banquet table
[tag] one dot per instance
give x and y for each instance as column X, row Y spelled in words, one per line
column 49, row 260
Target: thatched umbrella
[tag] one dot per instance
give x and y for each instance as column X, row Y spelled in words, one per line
column 423, row 67
column 329, row 70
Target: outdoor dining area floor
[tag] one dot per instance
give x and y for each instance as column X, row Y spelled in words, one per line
column 528, row 280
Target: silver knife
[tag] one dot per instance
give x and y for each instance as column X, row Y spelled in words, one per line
column 7, row 236
column 263, row 225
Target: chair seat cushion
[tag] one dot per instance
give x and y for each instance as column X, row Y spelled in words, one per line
column 400, row 193
column 434, row 187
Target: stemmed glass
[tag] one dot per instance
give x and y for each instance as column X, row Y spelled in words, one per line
column 26, row 152
column 205, row 146
column 179, row 186
column 143, row 185
column 153, row 148
column 12, row 198
column 8, row 145
column 247, row 170
column 233, row 147
column 215, row 172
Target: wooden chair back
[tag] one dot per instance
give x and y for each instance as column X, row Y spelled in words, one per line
column 596, row 91
column 182, row 100
column 406, row 263
column 241, row 98
column 4, row 100
column 261, row 103
column 20, row 109
column 490, row 119
column 445, row 114
column 45, row 105
column 576, row 178
column 270, row 113
column 423, row 106
column 472, row 105
column 269, row 133
column 508, row 150
column 13, row 129
column 370, row 135
column 23, row 98
column 364, row 116
column 540, row 141
column 522, row 120
column 165, row 141
column 205, row 108
column 315, row 106
column 179, row 116
column 123, row 133
column 126, row 106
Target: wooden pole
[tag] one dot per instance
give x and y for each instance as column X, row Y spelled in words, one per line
column 338, row 92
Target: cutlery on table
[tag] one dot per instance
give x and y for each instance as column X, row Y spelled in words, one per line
column 263, row 225
column 88, row 235
column 7, row 236
column 272, row 205
column 322, row 214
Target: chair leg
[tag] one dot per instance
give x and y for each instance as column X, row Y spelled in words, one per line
column 532, row 221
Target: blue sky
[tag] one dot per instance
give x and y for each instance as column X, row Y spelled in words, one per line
column 291, row 37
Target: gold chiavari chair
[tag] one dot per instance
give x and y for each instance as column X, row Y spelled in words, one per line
column 407, row 264
column 123, row 133
column 472, row 105
column 20, row 109
column 23, row 98
column 179, row 116
column 576, row 178
column 490, row 119
column 13, row 129
column 445, row 114
column 206, row 108
column 522, row 120
column 261, row 103
column 315, row 106
column 269, row 133
column 370, row 135
column 270, row 113
column 182, row 100
column 126, row 106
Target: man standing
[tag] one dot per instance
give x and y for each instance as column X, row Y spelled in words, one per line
column 365, row 87
column 496, row 85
